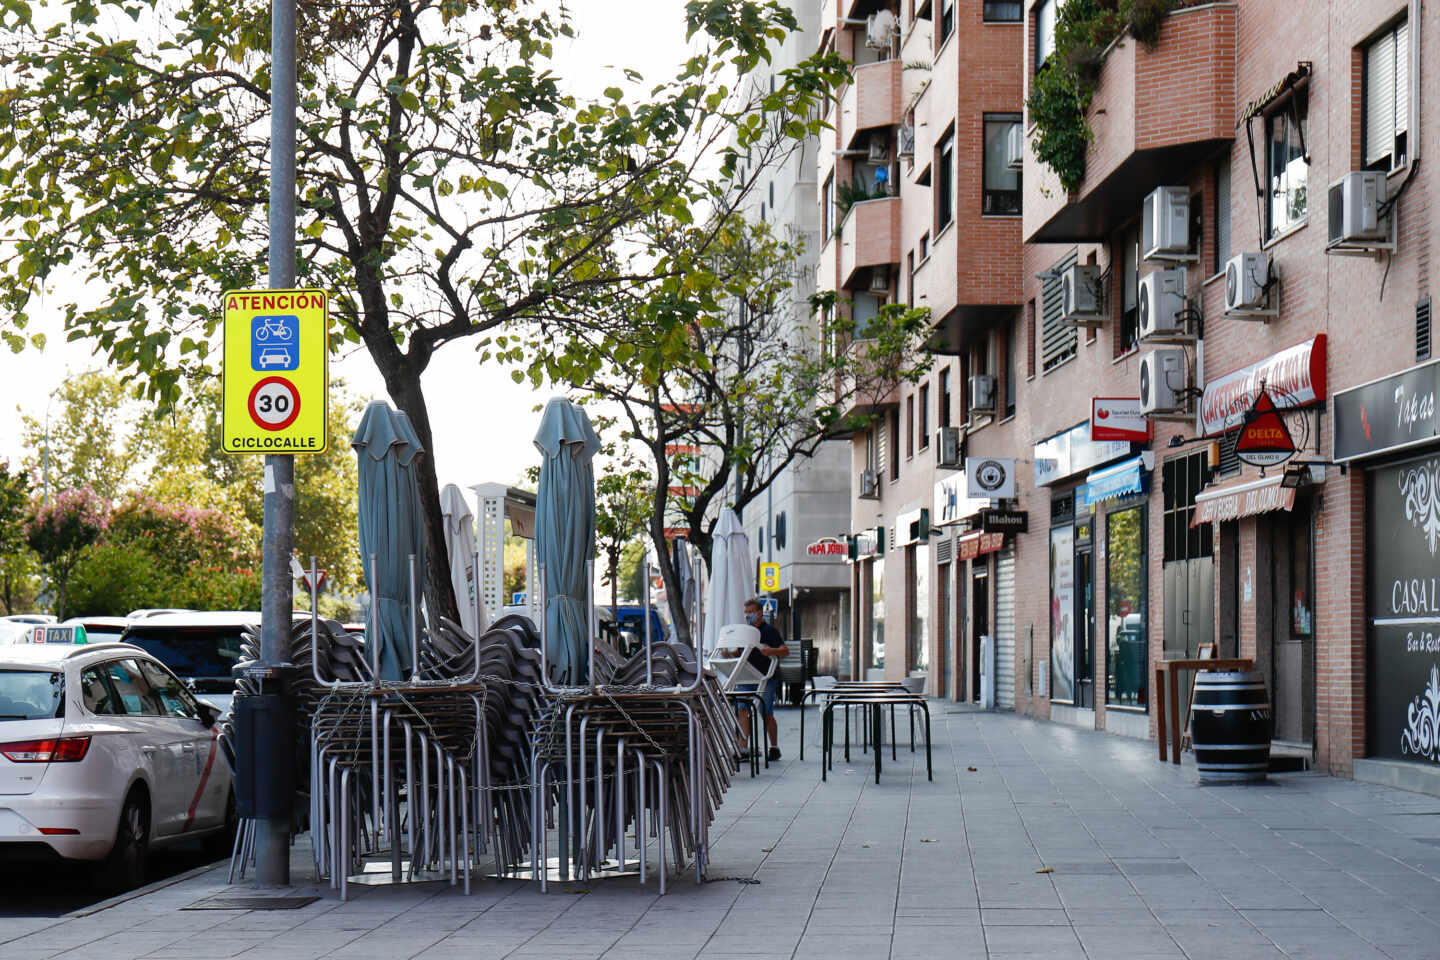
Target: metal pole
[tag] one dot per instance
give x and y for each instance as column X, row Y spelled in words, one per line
column 272, row 835
column 649, row 668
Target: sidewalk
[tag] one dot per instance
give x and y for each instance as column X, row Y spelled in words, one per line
column 1144, row 864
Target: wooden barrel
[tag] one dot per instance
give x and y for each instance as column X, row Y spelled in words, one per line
column 1230, row 726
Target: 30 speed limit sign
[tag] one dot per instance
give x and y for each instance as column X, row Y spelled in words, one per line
column 274, row 403
column 275, row 374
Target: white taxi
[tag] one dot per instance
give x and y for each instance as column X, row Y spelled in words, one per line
column 104, row 754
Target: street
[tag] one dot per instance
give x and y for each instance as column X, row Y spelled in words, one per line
column 55, row 890
column 1033, row 840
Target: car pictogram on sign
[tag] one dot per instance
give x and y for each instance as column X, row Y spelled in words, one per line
column 274, row 357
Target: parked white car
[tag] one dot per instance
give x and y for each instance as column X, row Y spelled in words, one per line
column 105, row 754
column 99, row 629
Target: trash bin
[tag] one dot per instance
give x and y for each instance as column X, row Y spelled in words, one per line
column 1230, row 726
column 264, row 782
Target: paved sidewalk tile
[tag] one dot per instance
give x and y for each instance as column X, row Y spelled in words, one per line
column 1060, row 844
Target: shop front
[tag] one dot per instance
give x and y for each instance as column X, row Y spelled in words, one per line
column 866, row 556
column 1391, row 430
column 963, row 588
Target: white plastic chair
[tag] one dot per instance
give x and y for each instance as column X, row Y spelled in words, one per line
column 736, row 670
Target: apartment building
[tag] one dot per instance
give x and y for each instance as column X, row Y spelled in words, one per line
column 1125, row 332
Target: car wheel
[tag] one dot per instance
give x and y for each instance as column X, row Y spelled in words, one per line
column 125, row 867
column 222, row 842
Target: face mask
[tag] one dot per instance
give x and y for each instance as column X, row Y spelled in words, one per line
column 752, row 618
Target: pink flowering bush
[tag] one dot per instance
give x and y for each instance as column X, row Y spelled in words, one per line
column 61, row 530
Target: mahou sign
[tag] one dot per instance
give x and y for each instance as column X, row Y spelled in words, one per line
column 1294, row 377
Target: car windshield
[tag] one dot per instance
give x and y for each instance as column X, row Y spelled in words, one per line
column 31, row 695
column 202, row 654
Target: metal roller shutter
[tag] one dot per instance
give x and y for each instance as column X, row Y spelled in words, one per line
column 1005, row 629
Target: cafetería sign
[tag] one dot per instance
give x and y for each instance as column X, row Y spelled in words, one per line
column 828, row 548
column 1294, row 377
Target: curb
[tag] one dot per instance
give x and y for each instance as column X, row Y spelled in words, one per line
column 146, row 890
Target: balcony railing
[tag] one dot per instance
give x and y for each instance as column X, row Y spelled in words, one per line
column 871, row 101
column 1154, row 114
column 869, row 237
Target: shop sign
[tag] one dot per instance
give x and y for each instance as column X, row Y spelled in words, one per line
column 868, row 543
column 1118, row 418
column 1403, row 606
column 990, row 477
column 913, row 527
column 1073, row 451
column 1232, row 501
column 1294, row 377
column 974, row 545
column 1004, row 521
column 828, row 548
column 1387, row 414
column 1264, row 441
column 953, row 502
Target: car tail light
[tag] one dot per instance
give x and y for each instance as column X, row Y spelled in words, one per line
column 54, row 750
column 59, row 831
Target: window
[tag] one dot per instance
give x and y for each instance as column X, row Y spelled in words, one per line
column 1011, row 336
column 918, row 640
column 762, row 213
column 910, row 426
column 1129, row 253
column 910, row 279
column 866, row 307
column 134, row 694
column 1128, row 640
column 924, row 416
column 894, row 444
column 944, row 414
column 1058, row 342
column 947, row 22
column 945, row 181
column 1286, row 165
column 872, row 442
column 99, row 698
column 31, row 695
column 1183, row 477
column 1222, row 214
column 998, row 12
column 173, row 697
column 924, row 247
column 195, row 653
column 1001, row 186
column 1030, row 339
column 1044, row 31
column 827, row 206
column 772, row 182
column 1387, row 98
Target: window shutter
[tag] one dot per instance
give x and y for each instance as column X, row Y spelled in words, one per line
column 1402, row 78
column 882, row 459
column 1380, row 98
column 1057, row 341
column 1222, row 215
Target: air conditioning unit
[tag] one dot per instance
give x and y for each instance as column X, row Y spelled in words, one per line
column 1165, row 224
column 879, row 280
column 947, row 447
column 1162, row 298
column 881, row 29
column 879, row 151
column 982, row 393
column 869, row 485
column 1163, row 380
column 1246, row 278
column 1015, row 147
column 1355, row 202
column 1081, row 293
column 906, row 140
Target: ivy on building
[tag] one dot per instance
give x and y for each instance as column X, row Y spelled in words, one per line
column 1065, row 85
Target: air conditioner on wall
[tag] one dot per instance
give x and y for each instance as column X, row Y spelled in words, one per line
column 1165, row 224
column 1246, row 279
column 1081, row 294
column 1015, row 147
column 982, row 393
column 947, row 447
column 1355, row 202
column 879, row 151
column 1162, row 298
column 869, row 485
column 1162, row 380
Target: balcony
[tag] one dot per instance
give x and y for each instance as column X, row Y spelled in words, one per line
column 861, row 394
column 871, row 101
column 869, row 237
column 1155, row 115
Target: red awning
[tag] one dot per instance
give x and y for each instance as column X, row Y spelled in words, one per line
column 1234, row 500
column 972, row 545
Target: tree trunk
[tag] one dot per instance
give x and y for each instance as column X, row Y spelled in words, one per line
column 613, row 554
column 674, row 596
column 404, row 388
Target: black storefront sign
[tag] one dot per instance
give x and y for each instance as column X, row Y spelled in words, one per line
column 1005, row 521
column 1389, row 414
column 1403, row 696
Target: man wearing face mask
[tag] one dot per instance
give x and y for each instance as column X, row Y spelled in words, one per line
column 772, row 646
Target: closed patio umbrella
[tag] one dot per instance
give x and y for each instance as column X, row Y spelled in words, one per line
column 731, row 570
column 565, row 534
column 392, row 528
column 460, row 539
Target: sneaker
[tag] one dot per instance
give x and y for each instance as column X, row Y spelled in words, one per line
column 773, row 755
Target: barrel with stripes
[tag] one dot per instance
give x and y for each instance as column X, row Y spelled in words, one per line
column 1230, row 726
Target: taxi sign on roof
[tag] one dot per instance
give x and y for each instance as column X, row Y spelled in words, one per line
column 69, row 635
column 275, row 371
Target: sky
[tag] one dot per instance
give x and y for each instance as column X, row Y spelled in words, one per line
column 484, row 424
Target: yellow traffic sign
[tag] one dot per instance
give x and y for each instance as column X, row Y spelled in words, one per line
column 275, row 371
column 769, row 577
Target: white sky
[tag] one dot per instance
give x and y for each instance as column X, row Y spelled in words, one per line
column 484, row 424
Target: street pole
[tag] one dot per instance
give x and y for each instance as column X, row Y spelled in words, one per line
column 272, row 834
